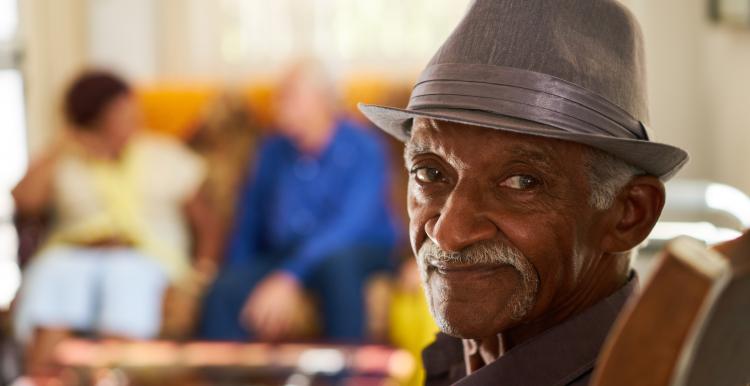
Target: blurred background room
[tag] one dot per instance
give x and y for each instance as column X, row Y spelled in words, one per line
column 224, row 141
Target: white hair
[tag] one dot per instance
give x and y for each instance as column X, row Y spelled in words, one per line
column 607, row 176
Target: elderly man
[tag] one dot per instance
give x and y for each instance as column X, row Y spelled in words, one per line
column 533, row 179
column 312, row 219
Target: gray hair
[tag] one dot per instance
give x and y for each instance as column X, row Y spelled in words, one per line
column 607, row 175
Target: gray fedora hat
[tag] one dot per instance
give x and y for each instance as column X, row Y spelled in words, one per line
column 566, row 69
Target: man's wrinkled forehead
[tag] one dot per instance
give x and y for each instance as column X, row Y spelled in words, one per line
column 442, row 138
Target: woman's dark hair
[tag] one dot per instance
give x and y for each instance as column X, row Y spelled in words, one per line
column 88, row 96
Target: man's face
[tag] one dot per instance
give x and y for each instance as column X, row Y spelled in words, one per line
column 516, row 207
column 301, row 105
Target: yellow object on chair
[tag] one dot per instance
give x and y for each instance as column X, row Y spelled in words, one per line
column 411, row 326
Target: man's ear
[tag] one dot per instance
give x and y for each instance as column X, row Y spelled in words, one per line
column 634, row 213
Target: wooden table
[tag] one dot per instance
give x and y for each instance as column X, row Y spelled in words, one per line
column 117, row 363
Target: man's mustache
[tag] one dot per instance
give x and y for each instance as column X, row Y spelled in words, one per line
column 487, row 252
column 483, row 252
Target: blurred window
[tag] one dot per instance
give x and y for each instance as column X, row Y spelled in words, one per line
column 12, row 145
column 13, row 133
column 392, row 34
column 8, row 19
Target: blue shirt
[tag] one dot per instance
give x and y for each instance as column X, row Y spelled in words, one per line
column 302, row 208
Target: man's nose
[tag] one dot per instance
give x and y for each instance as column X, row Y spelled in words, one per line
column 463, row 220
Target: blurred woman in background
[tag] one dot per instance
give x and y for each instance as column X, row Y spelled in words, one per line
column 123, row 203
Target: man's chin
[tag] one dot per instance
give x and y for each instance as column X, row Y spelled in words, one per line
column 473, row 323
column 473, row 313
column 473, row 329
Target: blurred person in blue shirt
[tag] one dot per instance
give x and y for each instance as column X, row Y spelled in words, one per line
column 313, row 218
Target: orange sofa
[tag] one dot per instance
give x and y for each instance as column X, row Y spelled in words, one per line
column 175, row 107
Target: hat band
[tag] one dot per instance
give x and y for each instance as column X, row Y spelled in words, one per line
column 525, row 95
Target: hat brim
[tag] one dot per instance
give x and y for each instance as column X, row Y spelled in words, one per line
column 654, row 158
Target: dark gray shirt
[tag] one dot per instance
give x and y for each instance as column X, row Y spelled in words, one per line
column 563, row 355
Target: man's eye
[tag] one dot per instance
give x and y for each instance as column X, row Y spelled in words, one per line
column 521, row 182
column 426, row 174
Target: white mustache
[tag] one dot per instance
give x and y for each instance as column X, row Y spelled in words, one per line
column 483, row 252
column 486, row 252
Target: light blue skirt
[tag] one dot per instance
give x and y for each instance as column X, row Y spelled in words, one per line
column 108, row 291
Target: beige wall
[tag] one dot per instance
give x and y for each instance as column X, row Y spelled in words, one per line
column 53, row 34
column 672, row 40
column 699, row 77
column 122, row 35
column 726, row 70
column 189, row 40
